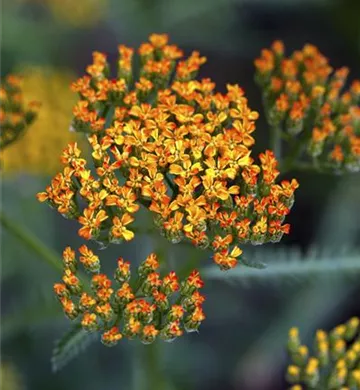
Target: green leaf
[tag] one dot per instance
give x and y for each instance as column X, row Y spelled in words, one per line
column 290, row 263
column 251, row 263
column 75, row 341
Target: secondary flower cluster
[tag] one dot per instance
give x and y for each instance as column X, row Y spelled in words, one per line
column 336, row 360
column 141, row 306
column 174, row 145
column 15, row 116
column 304, row 97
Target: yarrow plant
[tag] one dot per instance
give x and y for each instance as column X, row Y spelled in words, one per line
column 167, row 142
column 335, row 361
column 15, row 115
column 144, row 304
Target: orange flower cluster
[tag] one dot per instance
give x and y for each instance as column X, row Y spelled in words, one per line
column 172, row 144
column 142, row 307
column 303, row 96
column 335, row 364
column 14, row 116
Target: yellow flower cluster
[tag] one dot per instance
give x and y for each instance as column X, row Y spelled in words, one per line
column 172, row 144
column 303, row 97
column 336, row 361
column 15, row 115
column 10, row 377
column 82, row 13
column 36, row 152
column 141, row 307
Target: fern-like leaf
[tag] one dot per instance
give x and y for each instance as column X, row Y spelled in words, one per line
column 73, row 342
column 289, row 263
column 251, row 263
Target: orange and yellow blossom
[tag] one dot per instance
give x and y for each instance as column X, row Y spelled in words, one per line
column 119, row 230
column 226, row 259
column 174, row 145
column 91, row 221
column 304, row 97
column 143, row 312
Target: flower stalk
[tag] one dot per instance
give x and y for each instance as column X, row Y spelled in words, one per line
column 31, row 241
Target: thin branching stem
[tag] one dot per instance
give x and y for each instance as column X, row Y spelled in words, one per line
column 32, row 242
column 42, row 251
column 275, row 141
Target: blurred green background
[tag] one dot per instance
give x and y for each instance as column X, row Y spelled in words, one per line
column 241, row 343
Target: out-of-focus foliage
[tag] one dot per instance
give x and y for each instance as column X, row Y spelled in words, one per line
column 290, row 263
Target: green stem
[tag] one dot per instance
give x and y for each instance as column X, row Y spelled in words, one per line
column 32, row 242
column 155, row 378
column 275, row 141
column 170, row 183
column 37, row 246
column 106, row 111
column 290, row 161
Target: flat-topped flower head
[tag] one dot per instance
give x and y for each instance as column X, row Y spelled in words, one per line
column 168, row 141
column 143, row 305
column 334, row 362
column 305, row 97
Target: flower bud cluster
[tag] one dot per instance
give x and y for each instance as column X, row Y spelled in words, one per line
column 15, row 116
column 304, row 97
column 335, row 363
column 174, row 145
column 143, row 306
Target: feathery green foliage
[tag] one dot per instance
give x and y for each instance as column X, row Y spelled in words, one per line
column 290, row 263
column 73, row 342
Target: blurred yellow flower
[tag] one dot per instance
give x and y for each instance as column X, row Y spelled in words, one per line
column 84, row 13
column 36, row 151
column 10, row 378
column 78, row 13
column 15, row 117
column 335, row 360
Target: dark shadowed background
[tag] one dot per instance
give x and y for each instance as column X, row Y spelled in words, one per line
column 241, row 345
